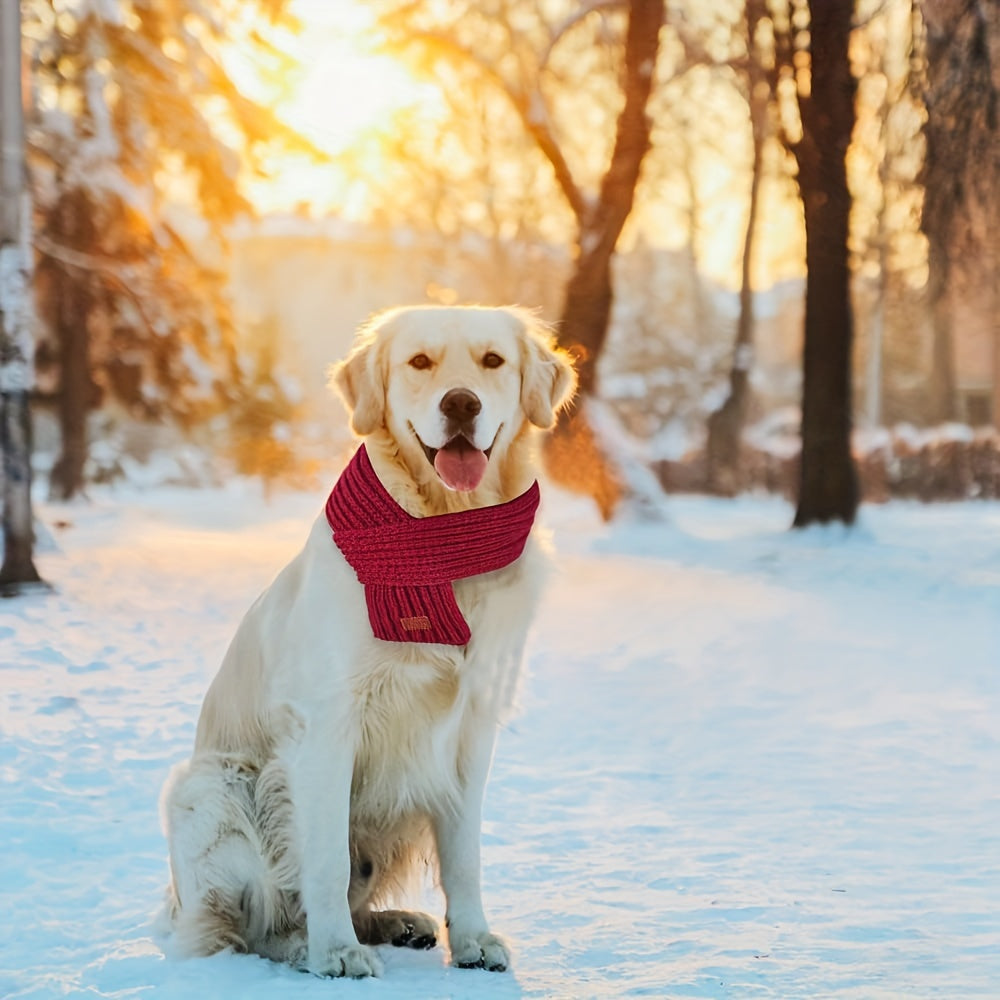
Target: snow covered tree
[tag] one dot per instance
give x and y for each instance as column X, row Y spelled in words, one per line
column 137, row 139
column 16, row 346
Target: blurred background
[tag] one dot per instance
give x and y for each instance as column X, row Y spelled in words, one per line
column 222, row 190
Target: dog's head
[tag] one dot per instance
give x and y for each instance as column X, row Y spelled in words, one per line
column 454, row 388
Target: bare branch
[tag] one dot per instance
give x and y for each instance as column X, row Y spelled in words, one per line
column 531, row 109
column 863, row 22
column 695, row 54
column 534, row 114
column 574, row 19
column 633, row 130
column 123, row 277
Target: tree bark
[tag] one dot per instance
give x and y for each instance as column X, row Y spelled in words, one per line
column 18, row 567
column 16, row 345
column 876, row 324
column 828, row 488
column 77, row 390
column 941, row 382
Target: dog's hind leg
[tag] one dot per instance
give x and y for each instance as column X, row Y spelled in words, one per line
column 221, row 884
column 292, row 948
column 402, row 928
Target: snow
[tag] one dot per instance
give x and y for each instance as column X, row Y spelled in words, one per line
column 16, row 371
column 750, row 762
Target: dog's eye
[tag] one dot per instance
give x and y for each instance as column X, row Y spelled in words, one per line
column 492, row 360
column 421, row 362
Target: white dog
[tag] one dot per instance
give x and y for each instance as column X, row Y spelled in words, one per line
column 331, row 765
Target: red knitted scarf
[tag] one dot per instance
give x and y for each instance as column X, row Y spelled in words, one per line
column 407, row 564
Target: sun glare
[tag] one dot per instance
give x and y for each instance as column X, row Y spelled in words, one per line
column 336, row 88
column 341, row 95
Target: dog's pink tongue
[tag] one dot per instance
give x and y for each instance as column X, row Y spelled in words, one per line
column 460, row 466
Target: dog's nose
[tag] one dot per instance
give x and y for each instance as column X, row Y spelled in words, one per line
column 460, row 405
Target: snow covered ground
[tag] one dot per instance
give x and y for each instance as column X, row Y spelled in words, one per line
column 750, row 763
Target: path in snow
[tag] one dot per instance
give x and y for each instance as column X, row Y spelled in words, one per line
column 751, row 763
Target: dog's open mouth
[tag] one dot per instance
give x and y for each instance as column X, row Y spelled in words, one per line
column 460, row 465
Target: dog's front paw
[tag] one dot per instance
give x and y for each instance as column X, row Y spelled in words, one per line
column 478, row 951
column 347, row 961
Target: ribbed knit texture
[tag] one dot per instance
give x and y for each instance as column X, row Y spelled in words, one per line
column 407, row 564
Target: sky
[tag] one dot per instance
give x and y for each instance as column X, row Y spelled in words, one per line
column 341, row 90
column 342, row 93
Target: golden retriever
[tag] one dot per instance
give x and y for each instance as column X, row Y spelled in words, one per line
column 330, row 766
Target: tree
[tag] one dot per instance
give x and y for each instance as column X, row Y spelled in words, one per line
column 587, row 302
column 725, row 425
column 528, row 59
column 573, row 450
column 889, row 256
column 16, row 349
column 810, row 79
column 828, row 483
column 961, row 178
column 133, row 184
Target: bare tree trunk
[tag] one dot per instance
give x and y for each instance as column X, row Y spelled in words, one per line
column 587, row 302
column 586, row 310
column 941, row 382
column 961, row 171
column 18, row 567
column 876, row 330
column 873, row 362
column 996, row 347
column 725, row 425
column 828, row 478
column 16, row 346
column 76, row 396
column 74, row 302
column 701, row 313
column 873, row 404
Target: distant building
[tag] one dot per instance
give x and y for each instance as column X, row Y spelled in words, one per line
column 306, row 285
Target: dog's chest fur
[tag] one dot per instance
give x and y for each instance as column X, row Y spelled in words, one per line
column 418, row 702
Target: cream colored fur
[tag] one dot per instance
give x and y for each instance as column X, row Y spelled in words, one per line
column 329, row 766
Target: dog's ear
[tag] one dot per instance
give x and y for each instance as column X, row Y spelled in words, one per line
column 359, row 381
column 548, row 378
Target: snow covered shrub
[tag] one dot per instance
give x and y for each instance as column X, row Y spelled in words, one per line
column 951, row 462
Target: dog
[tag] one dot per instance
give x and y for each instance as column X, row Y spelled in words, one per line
column 331, row 767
